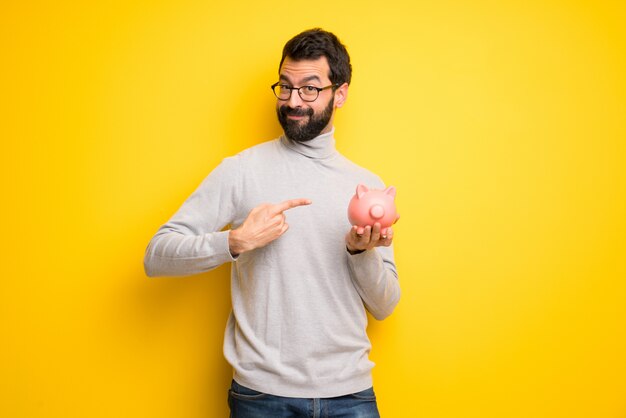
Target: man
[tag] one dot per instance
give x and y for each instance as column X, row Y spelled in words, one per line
column 302, row 276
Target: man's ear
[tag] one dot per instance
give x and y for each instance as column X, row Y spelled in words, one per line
column 341, row 95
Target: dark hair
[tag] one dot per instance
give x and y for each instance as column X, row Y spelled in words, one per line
column 316, row 43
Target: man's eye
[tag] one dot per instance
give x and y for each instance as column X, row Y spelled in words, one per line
column 309, row 90
column 284, row 87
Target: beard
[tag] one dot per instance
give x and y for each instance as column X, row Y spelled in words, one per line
column 304, row 130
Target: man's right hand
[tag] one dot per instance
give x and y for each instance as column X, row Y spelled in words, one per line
column 264, row 224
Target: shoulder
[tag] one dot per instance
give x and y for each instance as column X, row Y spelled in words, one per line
column 360, row 173
column 260, row 150
column 231, row 171
column 260, row 153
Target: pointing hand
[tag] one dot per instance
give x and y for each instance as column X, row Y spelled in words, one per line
column 264, row 224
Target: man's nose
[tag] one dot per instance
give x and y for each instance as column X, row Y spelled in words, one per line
column 295, row 100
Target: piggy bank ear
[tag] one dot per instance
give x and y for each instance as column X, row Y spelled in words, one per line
column 361, row 190
column 390, row 191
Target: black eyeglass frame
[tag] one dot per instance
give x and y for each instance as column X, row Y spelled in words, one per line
column 291, row 89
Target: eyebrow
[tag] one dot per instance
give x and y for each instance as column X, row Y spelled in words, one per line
column 304, row 80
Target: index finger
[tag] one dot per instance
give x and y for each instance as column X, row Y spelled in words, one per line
column 290, row 204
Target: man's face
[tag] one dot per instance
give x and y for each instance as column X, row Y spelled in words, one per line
column 303, row 121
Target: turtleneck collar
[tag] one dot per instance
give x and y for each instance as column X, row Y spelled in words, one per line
column 322, row 146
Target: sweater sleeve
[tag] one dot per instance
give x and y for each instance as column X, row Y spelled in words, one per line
column 376, row 279
column 192, row 241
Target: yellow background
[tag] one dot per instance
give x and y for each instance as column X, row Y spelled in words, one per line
column 502, row 125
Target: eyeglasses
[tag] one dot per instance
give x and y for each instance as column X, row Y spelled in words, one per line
column 306, row 93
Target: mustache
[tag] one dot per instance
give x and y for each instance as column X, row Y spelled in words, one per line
column 298, row 111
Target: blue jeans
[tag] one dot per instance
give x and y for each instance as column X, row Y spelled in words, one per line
column 248, row 403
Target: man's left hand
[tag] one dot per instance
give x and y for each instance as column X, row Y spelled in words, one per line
column 365, row 238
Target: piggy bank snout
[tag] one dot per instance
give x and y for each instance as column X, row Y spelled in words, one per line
column 377, row 211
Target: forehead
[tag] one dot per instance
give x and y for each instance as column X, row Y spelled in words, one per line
column 305, row 70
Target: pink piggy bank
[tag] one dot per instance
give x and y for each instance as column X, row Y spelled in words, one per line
column 370, row 206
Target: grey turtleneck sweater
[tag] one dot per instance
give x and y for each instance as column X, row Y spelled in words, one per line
column 298, row 321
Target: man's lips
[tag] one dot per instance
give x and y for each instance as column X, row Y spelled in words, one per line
column 295, row 114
